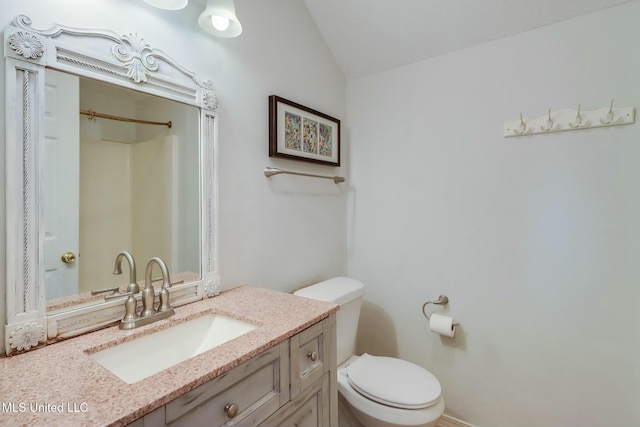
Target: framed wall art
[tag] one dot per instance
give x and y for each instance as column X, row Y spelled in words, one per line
column 301, row 133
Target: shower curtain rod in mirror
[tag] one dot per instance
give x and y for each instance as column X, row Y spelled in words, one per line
column 92, row 115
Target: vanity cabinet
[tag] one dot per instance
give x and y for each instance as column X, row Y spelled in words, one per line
column 314, row 387
column 292, row 383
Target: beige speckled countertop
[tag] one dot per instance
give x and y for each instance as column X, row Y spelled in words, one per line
column 60, row 385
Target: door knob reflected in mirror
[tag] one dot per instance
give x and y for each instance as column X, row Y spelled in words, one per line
column 68, row 257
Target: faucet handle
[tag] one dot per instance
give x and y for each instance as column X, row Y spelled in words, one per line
column 164, row 301
column 115, row 291
column 130, row 306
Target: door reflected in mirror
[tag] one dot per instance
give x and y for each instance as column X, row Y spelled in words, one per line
column 113, row 185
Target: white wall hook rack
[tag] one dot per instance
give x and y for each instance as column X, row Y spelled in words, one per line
column 569, row 119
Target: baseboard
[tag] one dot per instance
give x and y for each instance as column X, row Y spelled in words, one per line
column 447, row 421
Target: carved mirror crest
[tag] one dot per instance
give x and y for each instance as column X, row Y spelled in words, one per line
column 128, row 62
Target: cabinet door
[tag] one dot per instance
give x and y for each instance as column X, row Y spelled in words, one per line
column 309, row 409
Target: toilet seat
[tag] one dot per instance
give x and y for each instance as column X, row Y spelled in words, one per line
column 393, row 382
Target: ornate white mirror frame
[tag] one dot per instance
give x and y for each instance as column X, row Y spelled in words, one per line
column 126, row 61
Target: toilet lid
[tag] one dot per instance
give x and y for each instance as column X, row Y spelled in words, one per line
column 393, row 382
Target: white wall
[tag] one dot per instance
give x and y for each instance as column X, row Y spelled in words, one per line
column 535, row 240
column 278, row 233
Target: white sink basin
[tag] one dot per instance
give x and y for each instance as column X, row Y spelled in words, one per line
column 150, row 354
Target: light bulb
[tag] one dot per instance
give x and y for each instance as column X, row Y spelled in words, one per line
column 220, row 23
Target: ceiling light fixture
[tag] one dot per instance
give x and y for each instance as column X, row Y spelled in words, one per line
column 219, row 19
column 168, row 4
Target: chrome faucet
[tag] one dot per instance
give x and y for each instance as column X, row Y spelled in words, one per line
column 133, row 286
column 148, row 293
column 148, row 314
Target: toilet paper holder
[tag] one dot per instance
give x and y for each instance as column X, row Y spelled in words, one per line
column 442, row 300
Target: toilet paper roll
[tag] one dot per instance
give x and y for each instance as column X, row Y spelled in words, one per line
column 443, row 325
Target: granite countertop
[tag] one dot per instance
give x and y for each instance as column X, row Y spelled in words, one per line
column 60, row 385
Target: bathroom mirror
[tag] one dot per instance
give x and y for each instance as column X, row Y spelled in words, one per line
column 173, row 168
column 120, row 172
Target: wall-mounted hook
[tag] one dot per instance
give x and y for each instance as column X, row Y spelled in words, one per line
column 549, row 124
column 577, row 123
column 522, row 128
column 609, row 120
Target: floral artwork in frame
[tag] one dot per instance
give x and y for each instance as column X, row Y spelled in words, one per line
column 301, row 133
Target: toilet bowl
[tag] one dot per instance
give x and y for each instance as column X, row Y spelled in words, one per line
column 388, row 392
column 378, row 391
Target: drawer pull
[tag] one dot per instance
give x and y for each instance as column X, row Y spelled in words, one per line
column 312, row 355
column 231, row 410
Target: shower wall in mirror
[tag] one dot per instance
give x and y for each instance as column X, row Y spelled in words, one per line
column 83, row 186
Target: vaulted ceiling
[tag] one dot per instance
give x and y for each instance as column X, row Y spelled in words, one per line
column 368, row 36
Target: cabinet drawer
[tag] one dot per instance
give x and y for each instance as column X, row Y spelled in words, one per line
column 245, row 396
column 307, row 358
column 311, row 354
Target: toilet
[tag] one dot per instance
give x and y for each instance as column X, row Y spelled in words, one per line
column 378, row 391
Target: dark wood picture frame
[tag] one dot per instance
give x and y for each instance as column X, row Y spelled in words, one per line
column 301, row 133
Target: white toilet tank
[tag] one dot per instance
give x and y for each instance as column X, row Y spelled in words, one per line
column 347, row 293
